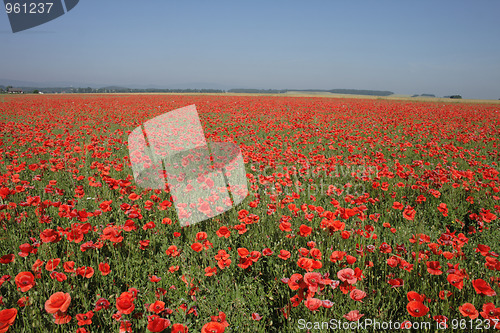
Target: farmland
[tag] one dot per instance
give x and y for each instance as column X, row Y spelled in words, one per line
column 358, row 210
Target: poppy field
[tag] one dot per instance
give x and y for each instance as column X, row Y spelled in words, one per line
column 360, row 212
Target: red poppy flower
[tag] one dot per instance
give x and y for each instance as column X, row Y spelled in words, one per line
column 7, row 318
column 353, row 315
column 155, row 279
column 86, row 272
column 296, row 281
column 255, row 255
column 482, row 287
column 222, row 258
column 435, row 193
column 487, row 216
column 304, row 230
column 209, row 271
column 417, row 309
column 129, row 226
column 221, row 318
column 243, row 252
column 149, row 225
column 455, row 280
column 348, row 275
column 468, row 310
column 8, row 258
column 434, row 267
column 101, row 303
column 303, row 252
column 327, row 304
column 61, row 318
column 406, row 325
column 85, row 318
column 357, row 295
column 69, row 266
column 213, row 327
column 315, row 253
column 133, row 291
column 397, row 205
column 166, row 220
column 157, row 324
column 23, row 301
column 105, row 206
column 245, row 263
column 197, row 247
column 284, row 254
column 313, row 304
column 443, row 209
column 443, row 294
column 134, row 196
column 490, row 311
column 421, row 199
column 306, row 263
column 59, row 301
column 350, row 259
column 50, row 236
column 312, row 280
column 25, row 281
column 157, row 307
column 337, row 256
column 111, row 233
column 125, row 326
column 223, row 263
column 26, row 250
column 345, row 234
column 385, row 248
column 448, row 255
column 256, row 316
column 223, row 232
column 267, row 252
column 414, row 296
column 172, row 251
column 200, row 236
column 395, row 283
column 75, row 234
column 58, row 276
column 285, row 226
column 409, row 213
column 125, row 303
column 441, row 320
column 104, row 268
column 179, row 328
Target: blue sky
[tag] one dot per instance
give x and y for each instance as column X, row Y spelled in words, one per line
column 408, row 47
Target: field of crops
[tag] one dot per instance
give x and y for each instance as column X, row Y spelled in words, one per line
column 359, row 213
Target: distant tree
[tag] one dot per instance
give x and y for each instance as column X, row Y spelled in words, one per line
column 36, row 91
column 257, row 91
column 361, row 92
column 456, row 96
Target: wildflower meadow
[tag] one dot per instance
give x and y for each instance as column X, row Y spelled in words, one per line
column 360, row 212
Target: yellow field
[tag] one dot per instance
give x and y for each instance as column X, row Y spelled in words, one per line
column 311, row 94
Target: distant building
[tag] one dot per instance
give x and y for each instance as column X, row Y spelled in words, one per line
column 15, row 91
